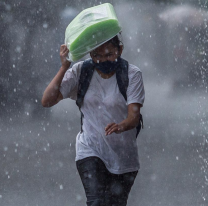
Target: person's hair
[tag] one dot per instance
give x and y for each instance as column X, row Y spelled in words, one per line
column 115, row 41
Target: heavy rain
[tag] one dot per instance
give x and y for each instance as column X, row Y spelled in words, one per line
column 167, row 40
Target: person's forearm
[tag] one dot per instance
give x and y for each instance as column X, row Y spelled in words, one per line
column 51, row 93
column 128, row 123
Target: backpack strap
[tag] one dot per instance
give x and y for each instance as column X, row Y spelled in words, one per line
column 122, row 77
column 84, row 82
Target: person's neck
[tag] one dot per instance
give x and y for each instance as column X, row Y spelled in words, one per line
column 105, row 76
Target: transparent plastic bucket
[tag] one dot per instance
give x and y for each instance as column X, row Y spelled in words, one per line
column 90, row 29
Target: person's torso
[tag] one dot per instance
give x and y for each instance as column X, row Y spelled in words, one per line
column 104, row 104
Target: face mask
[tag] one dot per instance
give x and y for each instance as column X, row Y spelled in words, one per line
column 107, row 66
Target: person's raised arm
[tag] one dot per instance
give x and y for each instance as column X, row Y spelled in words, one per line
column 52, row 95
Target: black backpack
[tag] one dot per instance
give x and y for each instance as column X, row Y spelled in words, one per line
column 86, row 76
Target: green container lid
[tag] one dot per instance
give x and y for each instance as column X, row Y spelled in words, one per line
column 90, row 29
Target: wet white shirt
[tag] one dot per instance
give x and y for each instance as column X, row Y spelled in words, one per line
column 104, row 104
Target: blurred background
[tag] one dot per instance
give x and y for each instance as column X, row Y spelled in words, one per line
column 167, row 40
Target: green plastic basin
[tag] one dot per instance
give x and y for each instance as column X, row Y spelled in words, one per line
column 91, row 28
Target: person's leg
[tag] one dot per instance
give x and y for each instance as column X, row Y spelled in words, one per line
column 93, row 174
column 118, row 189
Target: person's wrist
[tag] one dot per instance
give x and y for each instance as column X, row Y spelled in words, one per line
column 120, row 127
column 65, row 66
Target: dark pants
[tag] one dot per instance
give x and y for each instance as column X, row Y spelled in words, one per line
column 103, row 188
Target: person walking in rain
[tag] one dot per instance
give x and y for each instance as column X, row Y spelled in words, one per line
column 109, row 92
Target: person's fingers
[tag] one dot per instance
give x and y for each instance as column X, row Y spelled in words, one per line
column 113, row 128
column 63, row 48
column 108, row 126
column 66, row 52
column 64, row 55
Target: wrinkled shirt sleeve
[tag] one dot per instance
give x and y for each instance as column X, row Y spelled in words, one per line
column 135, row 91
column 69, row 84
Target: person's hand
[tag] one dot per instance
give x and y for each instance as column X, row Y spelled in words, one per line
column 113, row 127
column 63, row 55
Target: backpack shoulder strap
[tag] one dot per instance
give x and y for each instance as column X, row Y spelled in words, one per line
column 84, row 80
column 122, row 77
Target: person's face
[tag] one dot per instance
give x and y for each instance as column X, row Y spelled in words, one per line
column 105, row 52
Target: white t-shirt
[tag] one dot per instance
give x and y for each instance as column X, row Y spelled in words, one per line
column 104, row 104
